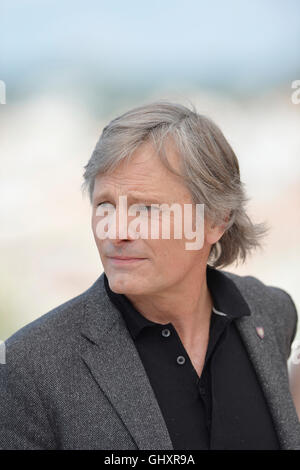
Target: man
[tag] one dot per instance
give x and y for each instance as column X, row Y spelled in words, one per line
column 164, row 350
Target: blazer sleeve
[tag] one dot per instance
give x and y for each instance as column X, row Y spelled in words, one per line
column 286, row 320
column 294, row 325
column 24, row 423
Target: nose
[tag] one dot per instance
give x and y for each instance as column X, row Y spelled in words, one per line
column 122, row 223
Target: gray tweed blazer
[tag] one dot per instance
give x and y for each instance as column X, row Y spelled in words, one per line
column 73, row 378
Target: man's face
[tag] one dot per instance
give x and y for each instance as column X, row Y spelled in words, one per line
column 162, row 263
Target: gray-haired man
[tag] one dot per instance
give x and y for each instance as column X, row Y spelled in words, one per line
column 165, row 350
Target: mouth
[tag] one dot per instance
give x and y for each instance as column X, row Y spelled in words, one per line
column 124, row 260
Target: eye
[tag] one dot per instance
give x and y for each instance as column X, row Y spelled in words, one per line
column 104, row 208
column 103, row 203
column 148, row 209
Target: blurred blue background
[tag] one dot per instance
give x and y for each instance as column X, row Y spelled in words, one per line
column 107, row 53
column 70, row 67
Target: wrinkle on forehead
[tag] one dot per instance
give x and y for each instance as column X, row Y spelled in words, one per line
column 144, row 171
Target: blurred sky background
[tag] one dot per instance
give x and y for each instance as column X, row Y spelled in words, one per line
column 70, row 67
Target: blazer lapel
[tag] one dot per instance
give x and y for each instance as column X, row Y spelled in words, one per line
column 272, row 373
column 110, row 354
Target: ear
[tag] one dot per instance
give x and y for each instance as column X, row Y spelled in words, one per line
column 214, row 232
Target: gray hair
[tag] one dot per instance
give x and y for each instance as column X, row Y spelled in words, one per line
column 209, row 168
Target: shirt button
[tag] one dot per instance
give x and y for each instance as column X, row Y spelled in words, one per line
column 166, row 332
column 202, row 391
column 180, row 360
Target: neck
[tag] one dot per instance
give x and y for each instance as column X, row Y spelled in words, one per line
column 186, row 305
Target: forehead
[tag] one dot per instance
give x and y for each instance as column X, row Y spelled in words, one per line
column 143, row 171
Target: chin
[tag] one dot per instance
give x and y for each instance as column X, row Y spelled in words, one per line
column 124, row 284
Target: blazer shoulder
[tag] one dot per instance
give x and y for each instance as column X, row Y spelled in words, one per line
column 272, row 301
column 53, row 331
column 261, row 293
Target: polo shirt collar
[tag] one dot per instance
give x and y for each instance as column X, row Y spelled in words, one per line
column 227, row 301
column 227, row 298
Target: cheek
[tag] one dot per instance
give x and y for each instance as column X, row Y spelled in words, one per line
column 98, row 240
column 93, row 224
column 169, row 253
column 94, row 233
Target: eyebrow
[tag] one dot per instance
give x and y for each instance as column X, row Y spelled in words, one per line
column 138, row 197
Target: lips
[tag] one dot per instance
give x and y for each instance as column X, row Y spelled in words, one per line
column 124, row 257
column 124, row 260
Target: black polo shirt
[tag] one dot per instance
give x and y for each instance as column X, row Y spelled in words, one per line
column 225, row 407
